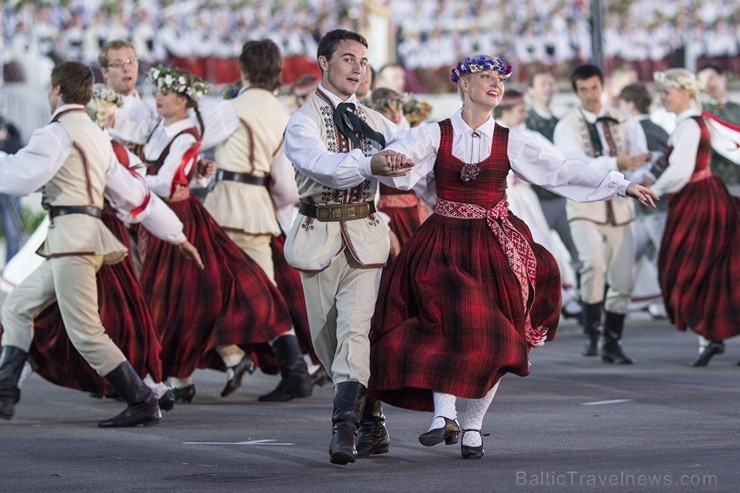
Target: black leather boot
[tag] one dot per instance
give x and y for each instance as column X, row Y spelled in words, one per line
column 611, row 350
column 12, row 360
column 349, row 402
column 246, row 365
column 143, row 407
column 372, row 437
column 709, row 351
column 591, row 328
column 296, row 381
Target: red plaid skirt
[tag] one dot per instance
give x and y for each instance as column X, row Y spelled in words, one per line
column 231, row 301
column 699, row 265
column 125, row 316
column 289, row 283
column 450, row 315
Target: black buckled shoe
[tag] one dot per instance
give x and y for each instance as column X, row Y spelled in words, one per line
column 246, row 365
column 470, row 452
column 185, row 394
column 711, row 349
column 449, row 433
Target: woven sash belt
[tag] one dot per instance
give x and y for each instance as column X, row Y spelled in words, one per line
column 337, row 212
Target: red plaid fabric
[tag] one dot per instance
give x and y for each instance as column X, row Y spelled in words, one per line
column 125, row 316
column 231, row 301
column 289, row 283
column 698, row 264
column 402, row 209
column 450, row 315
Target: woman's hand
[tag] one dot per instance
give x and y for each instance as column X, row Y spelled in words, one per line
column 644, row 195
column 190, row 252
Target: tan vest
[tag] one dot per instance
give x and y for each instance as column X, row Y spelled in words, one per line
column 311, row 244
column 618, row 211
column 250, row 149
column 81, row 182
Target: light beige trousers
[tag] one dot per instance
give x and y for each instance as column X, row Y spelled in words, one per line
column 608, row 256
column 341, row 301
column 71, row 282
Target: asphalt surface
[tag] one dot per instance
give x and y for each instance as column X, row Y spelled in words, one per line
column 575, row 424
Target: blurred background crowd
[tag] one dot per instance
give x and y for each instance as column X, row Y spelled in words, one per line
column 426, row 37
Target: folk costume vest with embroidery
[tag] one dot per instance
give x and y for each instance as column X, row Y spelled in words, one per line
column 620, row 210
column 80, row 181
column 250, row 149
column 311, row 244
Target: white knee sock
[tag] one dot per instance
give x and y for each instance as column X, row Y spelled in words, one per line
column 474, row 417
column 181, row 383
column 444, row 406
column 158, row 388
column 703, row 343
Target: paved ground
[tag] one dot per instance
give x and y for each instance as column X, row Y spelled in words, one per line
column 575, row 424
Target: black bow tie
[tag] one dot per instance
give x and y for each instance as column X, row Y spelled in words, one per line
column 353, row 127
column 607, row 119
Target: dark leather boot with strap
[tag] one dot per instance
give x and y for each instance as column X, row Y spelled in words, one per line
column 143, row 407
column 372, row 438
column 349, row 402
column 296, row 381
column 611, row 350
column 591, row 328
column 12, row 360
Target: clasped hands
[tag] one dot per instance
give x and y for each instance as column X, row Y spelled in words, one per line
column 390, row 163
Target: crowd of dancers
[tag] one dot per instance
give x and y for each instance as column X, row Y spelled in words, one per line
column 473, row 283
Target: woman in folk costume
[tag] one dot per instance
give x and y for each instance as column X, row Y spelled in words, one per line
column 471, row 293
column 121, row 302
column 401, row 206
column 216, row 317
column 698, row 263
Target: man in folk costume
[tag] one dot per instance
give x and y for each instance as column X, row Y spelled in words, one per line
column 247, row 133
column 602, row 138
column 337, row 241
column 74, row 162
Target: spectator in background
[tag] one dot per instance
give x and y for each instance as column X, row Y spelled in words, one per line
column 392, row 76
column 303, row 88
column 10, row 207
column 366, row 85
column 714, row 82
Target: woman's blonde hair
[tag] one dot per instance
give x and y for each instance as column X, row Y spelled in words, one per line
column 679, row 78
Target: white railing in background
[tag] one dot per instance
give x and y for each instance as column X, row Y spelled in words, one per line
column 25, row 106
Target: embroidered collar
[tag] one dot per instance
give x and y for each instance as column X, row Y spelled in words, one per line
column 334, row 99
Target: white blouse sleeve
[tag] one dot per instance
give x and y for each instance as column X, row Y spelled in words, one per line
column 127, row 191
column 421, row 145
column 543, row 165
column 220, row 119
column 682, row 161
column 30, row 168
column 309, row 154
column 161, row 183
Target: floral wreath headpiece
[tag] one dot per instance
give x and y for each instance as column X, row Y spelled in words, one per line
column 383, row 98
column 679, row 78
column 105, row 93
column 414, row 110
column 479, row 63
column 179, row 81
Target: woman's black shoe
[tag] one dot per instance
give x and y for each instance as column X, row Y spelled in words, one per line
column 469, row 452
column 167, row 401
column 709, row 351
column 448, row 433
column 185, row 394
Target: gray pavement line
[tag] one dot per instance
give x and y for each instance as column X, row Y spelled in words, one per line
column 248, row 442
column 601, row 403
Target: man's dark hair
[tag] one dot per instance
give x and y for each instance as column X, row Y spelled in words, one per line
column 261, row 63
column 585, row 71
column 75, row 81
column 537, row 69
column 638, row 94
column 328, row 44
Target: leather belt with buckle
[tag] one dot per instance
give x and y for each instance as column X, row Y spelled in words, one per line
column 337, row 212
column 240, row 177
column 63, row 210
